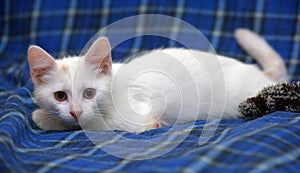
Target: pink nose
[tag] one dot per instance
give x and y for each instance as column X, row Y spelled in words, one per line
column 76, row 114
column 76, row 111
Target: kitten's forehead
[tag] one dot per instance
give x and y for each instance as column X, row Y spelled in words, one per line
column 68, row 65
column 75, row 74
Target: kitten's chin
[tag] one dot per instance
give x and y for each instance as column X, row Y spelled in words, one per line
column 75, row 127
column 72, row 124
column 95, row 124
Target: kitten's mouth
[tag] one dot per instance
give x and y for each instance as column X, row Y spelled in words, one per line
column 72, row 123
column 76, row 115
column 76, row 119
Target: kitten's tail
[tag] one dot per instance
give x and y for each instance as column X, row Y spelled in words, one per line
column 263, row 53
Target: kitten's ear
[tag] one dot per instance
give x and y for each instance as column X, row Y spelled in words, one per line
column 41, row 64
column 99, row 54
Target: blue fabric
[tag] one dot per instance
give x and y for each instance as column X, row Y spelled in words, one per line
column 268, row 144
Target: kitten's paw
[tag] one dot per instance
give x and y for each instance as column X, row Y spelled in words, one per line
column 47, row 122
column 41, row 119
column 156, row 124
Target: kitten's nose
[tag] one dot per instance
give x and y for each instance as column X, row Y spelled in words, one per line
column 76, row 111
column 76, row 114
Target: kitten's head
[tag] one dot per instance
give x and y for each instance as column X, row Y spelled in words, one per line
column 68, row 88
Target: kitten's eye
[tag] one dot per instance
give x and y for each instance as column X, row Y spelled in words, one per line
column 89, row 93
column 60, row 96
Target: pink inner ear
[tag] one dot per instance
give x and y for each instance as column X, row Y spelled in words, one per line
column 99, row 55
column 106, row 65
column 40, row 63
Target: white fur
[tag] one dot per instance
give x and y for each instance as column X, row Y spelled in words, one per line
column 161, row 87
column 260, row 50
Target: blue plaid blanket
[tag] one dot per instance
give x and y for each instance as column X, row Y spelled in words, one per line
column 268, row 144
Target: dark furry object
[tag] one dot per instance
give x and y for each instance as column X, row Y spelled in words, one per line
column 279, row 97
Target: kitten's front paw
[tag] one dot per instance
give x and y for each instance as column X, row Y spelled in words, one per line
column 41, row 119
column 47, row 122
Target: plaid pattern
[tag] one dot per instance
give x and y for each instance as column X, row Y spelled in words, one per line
column 270, row 143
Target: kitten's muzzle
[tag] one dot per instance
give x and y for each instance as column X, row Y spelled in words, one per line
column 76, row 111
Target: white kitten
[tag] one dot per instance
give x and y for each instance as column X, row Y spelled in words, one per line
column 161, row 87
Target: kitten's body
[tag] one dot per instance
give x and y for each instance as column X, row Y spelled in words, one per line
column 162, row 87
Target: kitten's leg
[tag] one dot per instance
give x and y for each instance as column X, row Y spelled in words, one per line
column 271, row 62
column 48, row 122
